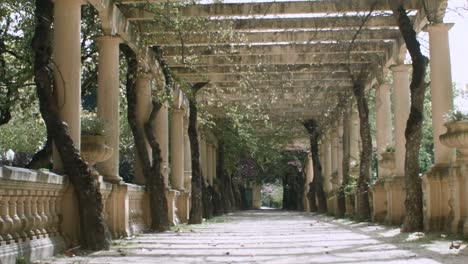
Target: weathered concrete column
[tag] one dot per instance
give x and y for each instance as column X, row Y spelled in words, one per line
column 203, row 158
column 354, row 138
column 383, row 123
column 328, row 165
column 395, row 186
column 162, row 136
column 108, row 103
column 143, row 111
column 187, row 158
column 183, row 201
column 384, row 118
column 401, row 99
column 384, row 139
column 441, row 88
column 209, row 163
column 339, row 140
column 177, row 149
column 335, row 158
column 323, row 161
column 67, row 71
column 214, row 154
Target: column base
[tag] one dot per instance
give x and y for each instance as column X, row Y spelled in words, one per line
column 116, row 179
column 436, row 198
column 458, row 198
column 172, row 196
column 379, row 201
column 183, row 207
column 395, row 198
column 332, row 203
column 350, row 205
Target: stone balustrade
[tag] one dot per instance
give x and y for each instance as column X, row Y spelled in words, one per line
column 30, row 213
column 38, row 213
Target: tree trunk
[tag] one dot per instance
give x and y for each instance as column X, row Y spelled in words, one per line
column 218, row 206
column 345, row 166
column 362, row 190
column 94, row 233
column 225, row 180
column 196, row 210
column 300, row 186
column 413, row 202
column 151, row 168
column 43, row 158
column 313, row 129
column 312, row 197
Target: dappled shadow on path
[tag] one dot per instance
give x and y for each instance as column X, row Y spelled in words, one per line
column 274, row 236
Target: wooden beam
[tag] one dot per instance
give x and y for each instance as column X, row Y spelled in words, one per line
column 165, row 39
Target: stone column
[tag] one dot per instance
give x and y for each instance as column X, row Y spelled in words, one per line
column 209, row 163
column 108, row 94
column 334, row 149
column 67, row 71
column 384, row 118
column 177, row 149
column 162, row 136
column 354, row 138
column 441, row 88
column 323, row 160
column 328, row 164
column 384, row 139
column 339, row 140
column 383, row 123
column 203, row 158
column 394, row 186
column 143, row 111
column 401, row 99
column 187, row 158
column 214, row 155
column 310, row 170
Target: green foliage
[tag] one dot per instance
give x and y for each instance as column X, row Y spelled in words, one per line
column 25, row 132
column 16, row 30
column 456, row 116
column 252, row 143
column 350, row 188
column 390, row 148
column 272, row 195
column 21, row 260
column 92, row 125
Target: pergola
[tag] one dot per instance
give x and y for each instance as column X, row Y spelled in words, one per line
column 303, row 51
column 293, row 60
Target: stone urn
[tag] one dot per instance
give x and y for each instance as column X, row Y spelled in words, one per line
column 388, row 160
column 457, row 137
column 94, row 149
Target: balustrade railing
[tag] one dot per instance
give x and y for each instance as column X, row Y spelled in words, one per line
column 29, row 204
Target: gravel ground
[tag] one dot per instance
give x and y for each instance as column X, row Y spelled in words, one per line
column 276, row 236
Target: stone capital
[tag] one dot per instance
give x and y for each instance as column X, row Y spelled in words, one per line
column 108, row 40
column 384, row 87
column 79, row 2
column 438, row 27
column 145, row 76
column 401, row 68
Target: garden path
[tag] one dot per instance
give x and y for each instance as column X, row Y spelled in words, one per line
column 276, row 236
